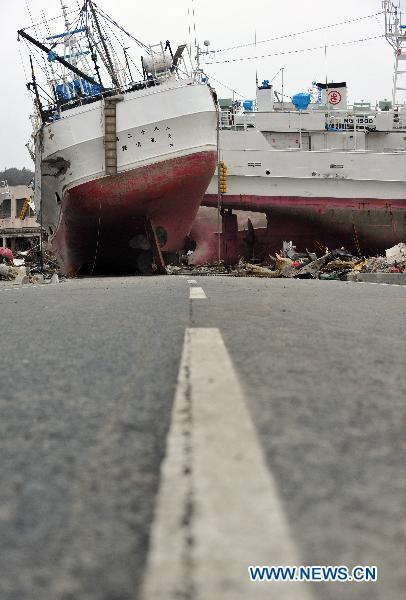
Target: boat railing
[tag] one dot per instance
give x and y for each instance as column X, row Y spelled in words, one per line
column 238, row 121
column 75, row 101
column 340, row 120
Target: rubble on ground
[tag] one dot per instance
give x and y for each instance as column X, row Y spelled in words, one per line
column 189, row 270
column 288, row 264
column 246, row 269
column 32, row 259
column 26, row 265
column 282, row 267
column 393, row 262
column 397, row 254
column 333, row 265
column 8, row 273
column 338, row 264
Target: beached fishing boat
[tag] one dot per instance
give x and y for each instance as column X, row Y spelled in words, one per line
column 324, row 172
column 121, row 165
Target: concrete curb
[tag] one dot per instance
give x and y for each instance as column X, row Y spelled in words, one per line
column 387, row 278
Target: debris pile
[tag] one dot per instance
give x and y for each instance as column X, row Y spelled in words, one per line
column 32, row 260
column 397, row 254
column 246, row 269
column 28, row 266
column 333, row 265
column 338, row 265
column 8, row 273
column 393, row 262
column 213, row 269
column 282, row 267
column 290, row 264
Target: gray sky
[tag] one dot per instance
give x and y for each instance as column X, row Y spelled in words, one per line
column 367, row 67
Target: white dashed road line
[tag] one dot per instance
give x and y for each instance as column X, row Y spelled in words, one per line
column 218, row 509
column 192, row 281
column 197, row 293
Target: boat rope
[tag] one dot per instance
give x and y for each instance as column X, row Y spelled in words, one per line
column 35, row 27
column 295, row 34
column 226, row 86
column 121, row 44
column 276, row 75
column 113, row 22
column 192, row 23
column 25, row 72
column 281, row 95
column 74, row 26
column 134, row 65
column 49, row 20
column 34, row 52
column 286, row 52
column 22, row 63
column 45, row 23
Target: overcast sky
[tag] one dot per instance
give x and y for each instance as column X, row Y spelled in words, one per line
column 367, row 67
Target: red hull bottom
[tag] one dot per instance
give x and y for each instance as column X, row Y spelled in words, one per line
column 103, row 222
column 366, row 227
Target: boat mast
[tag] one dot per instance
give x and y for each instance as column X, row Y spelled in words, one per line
column 37, row 97
column 395, row 35
column 65, row 15
column 109, row 65
column 61, row 60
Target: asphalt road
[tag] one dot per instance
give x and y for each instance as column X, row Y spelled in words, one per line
column 88, row 380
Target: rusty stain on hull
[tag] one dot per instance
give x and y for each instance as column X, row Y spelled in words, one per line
column 100, row 219
column 363, row 226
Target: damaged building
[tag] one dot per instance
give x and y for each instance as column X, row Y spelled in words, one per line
column 18, row 227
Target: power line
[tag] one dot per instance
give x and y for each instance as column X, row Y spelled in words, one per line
column 289, row 35
column 231, row 60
